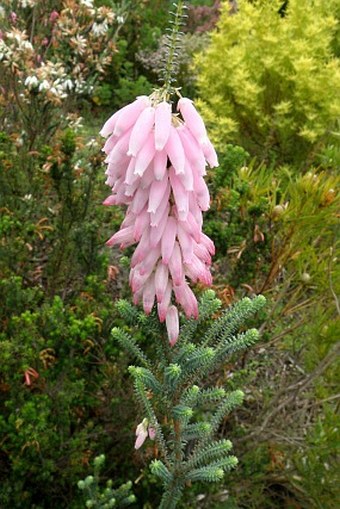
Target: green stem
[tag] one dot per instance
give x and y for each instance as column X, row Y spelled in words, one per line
column 169, row 70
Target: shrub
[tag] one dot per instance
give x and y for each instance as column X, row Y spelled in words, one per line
column 270, row 78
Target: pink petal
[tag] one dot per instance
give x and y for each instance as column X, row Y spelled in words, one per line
column 187, row 178
column 181, row 196
column 191, row 227
column 109, row 144
column 163, row 306
column 195, row 210
column 160, row 164
column 147, row 265
column 157, row 232
column 202, row 253
column 130, row 190
column 141, row 130
column 142, row 221
column 192, row 119
column 162, row 124
column 137, row 296
column 141, row 437
column 208, row 243
column 120, row 149
column 142, row 249
column 129, row 114
column 152, row 433
column 157, row 192
column 176, row 265
column 148, row 177
column 139, row 201
column 157, row 216
column 210, row 153
column 137, row 280
column 175, row 151
column 197, row 270
column 161, row 280
column 172, row 324
column 145, row 155
column 186, row 297
column 124, row 235
column 186, row 243
column 192, row 150
column 149, row 295
column 110, row 200
column 202, row 192
column 109, row 125
column 168, row 239
column 130, row 176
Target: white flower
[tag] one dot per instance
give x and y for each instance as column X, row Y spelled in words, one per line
column 100, row 28
column 87, row 3
column 92, row 143
column 120, row 19
column 44, row 85
column 67, row 85
column 27, row 3
column 31, row 82
column 26, row 45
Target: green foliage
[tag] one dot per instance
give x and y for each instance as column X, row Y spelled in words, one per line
column 270, row 81
column 170, row 388
column 104, row 498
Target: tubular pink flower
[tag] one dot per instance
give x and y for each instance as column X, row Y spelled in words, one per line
column 181, row 196
column 162, row 124
column 175, row 151
column 161, row 280
column 157, row 193
column 145, row 155
column 128, row 115
column 139, row 201
column 156, row 163
column 172, row 324
column 210, row 153
column 124, row 235
column 186, row 243
column 157, row 216
column 157, row 232
column 141, row 223
column 176, row 265
column 141, row 433
column 163, row 306
column 149, row 295
column 187, row 299
column 192, row 119
column 160, row 161
column 141, row 130
column 168, row 239
column 193, row 151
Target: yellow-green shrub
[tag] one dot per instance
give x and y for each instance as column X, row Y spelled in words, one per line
column 270, row 79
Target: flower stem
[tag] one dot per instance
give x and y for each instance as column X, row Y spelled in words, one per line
column 170, row 71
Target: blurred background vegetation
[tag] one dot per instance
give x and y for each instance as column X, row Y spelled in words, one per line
column 265, row 75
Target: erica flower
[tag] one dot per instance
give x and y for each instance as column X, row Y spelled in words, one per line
column 143, row 430
column 30, row 372
column 156, row 166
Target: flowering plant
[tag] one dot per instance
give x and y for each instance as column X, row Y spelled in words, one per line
column 157, row 161
column 51, row 54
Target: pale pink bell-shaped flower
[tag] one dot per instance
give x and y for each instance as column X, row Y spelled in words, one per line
column 172, row 324
column 144, row 430
column 192, row 119
column 156, row 163
column 162, row 124
column 141, row 130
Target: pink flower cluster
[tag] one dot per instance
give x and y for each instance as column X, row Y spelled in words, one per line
column 156, row 164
